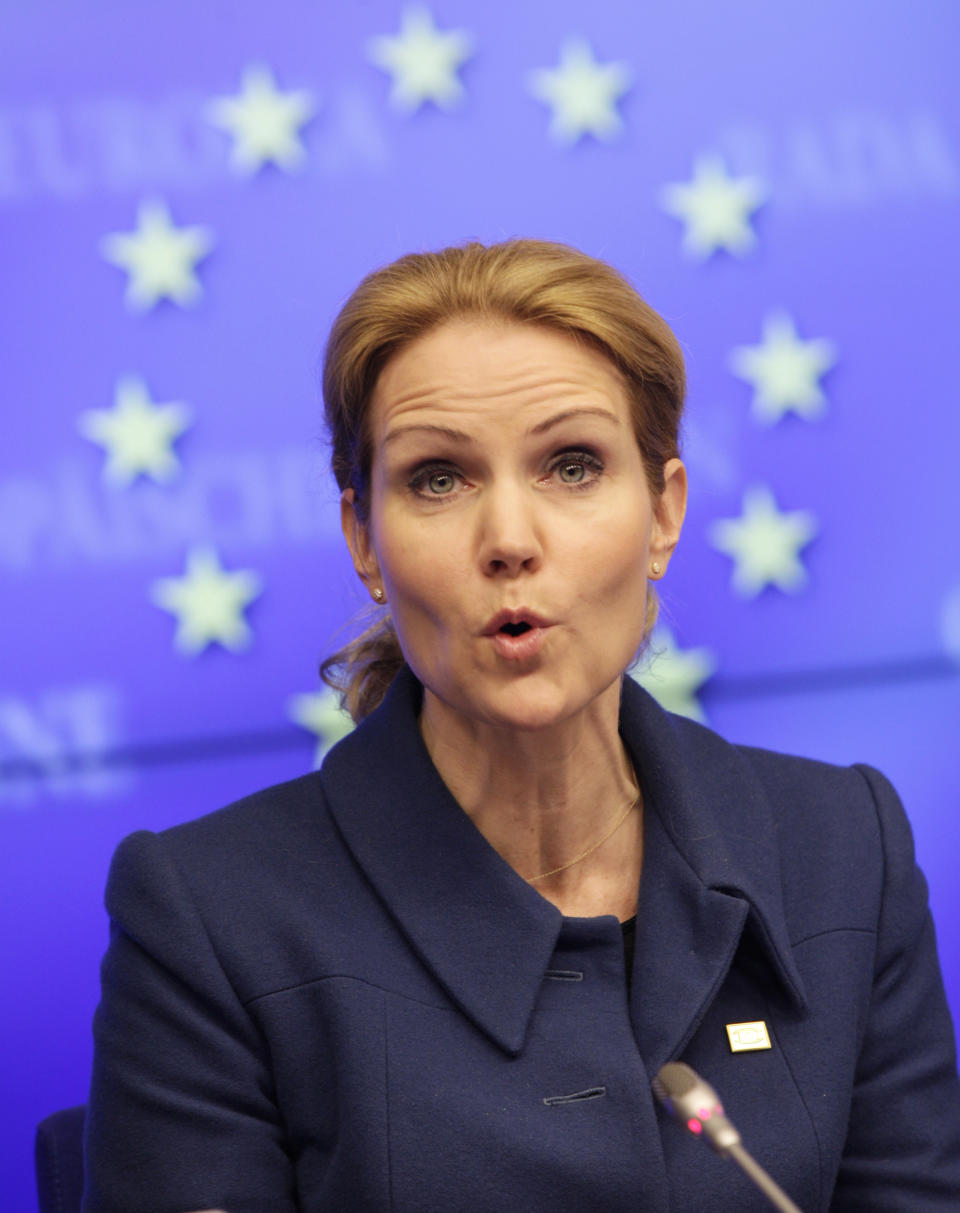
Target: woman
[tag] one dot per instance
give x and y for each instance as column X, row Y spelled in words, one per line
column 442, row 972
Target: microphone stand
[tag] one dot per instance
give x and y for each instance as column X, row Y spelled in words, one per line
column 696, row 1105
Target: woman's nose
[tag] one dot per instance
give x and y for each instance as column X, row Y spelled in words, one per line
column 510, row 539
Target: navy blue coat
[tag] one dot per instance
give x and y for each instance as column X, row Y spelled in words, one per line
column 335, row 995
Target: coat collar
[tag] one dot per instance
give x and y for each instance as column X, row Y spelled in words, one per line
column 711, row 857
column 711, row 867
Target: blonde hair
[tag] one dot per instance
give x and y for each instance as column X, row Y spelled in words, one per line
column 524, row 281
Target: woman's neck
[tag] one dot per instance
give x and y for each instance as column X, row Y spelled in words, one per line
column 543, row 797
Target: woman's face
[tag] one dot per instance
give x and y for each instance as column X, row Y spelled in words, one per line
column 510, row 523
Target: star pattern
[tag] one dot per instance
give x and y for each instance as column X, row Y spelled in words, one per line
column 422, row 61
column 784, row 370
column 714, row 209
column 320, row 713
column 672, row 675
column 581, row 93
column 208, row 603
column 136, row 433
column 159, row 257
column 265, row 123
column 764, row 544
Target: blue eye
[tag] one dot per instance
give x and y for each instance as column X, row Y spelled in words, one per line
column 440, row 483
column 576, row 468
column 572, row 473
column 432, row 481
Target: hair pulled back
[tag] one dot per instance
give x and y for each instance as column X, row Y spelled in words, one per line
column 524, row 281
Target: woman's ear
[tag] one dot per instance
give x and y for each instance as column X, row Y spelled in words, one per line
column 357, row 534
column 668, row 513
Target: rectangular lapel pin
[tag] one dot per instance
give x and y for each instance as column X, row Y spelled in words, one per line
column 746, row 1037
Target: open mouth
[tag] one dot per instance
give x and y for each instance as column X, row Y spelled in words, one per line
column 514, row 629
column 518, row 634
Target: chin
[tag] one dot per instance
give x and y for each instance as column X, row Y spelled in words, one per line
column 532, row 708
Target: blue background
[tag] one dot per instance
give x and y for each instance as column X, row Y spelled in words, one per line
column 850, row 116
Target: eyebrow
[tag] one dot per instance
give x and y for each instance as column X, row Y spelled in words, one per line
column 444, row 431
column 590, row 410
column 541, row 427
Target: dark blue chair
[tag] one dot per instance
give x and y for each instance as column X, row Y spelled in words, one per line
column 59, row 1161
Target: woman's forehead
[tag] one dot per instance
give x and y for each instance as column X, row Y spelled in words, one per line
column 469, row 366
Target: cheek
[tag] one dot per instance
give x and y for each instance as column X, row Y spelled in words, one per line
column 618, row 560
column 419, row 568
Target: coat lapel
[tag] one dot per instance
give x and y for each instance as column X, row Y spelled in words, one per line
column 711, row 864
column 486, row 935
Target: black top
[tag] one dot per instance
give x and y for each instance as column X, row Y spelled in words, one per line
column 629, row 929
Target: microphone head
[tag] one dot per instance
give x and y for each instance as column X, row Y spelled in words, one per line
column 695, row 1104
column 675, row 1080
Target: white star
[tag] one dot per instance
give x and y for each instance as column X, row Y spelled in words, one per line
column 320, row 712
column 136, row 433
column 950, row 622
column 714, row 208
column 582, row 93
column 764, row 544
column 159, row 257
column 673, row 675
column 265, row 124
column 784, row 370
column 422, row 61
column 208, row 603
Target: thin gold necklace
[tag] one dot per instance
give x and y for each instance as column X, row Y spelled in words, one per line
column 589, row 851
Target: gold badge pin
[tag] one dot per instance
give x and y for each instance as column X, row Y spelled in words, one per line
column 746, row 1037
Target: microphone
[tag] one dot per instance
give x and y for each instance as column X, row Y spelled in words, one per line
column 696, row 1105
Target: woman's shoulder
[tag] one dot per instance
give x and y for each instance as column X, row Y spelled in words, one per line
column 259, row 885
column 711, row 771
column 851, row 785
column 279, row 810
column 255, row 843
column 825, row 804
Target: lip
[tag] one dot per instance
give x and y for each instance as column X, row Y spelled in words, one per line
column 524, row 646
column 515, row 615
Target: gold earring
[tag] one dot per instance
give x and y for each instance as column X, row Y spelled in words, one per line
column 378, row 594
column 655, row 569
